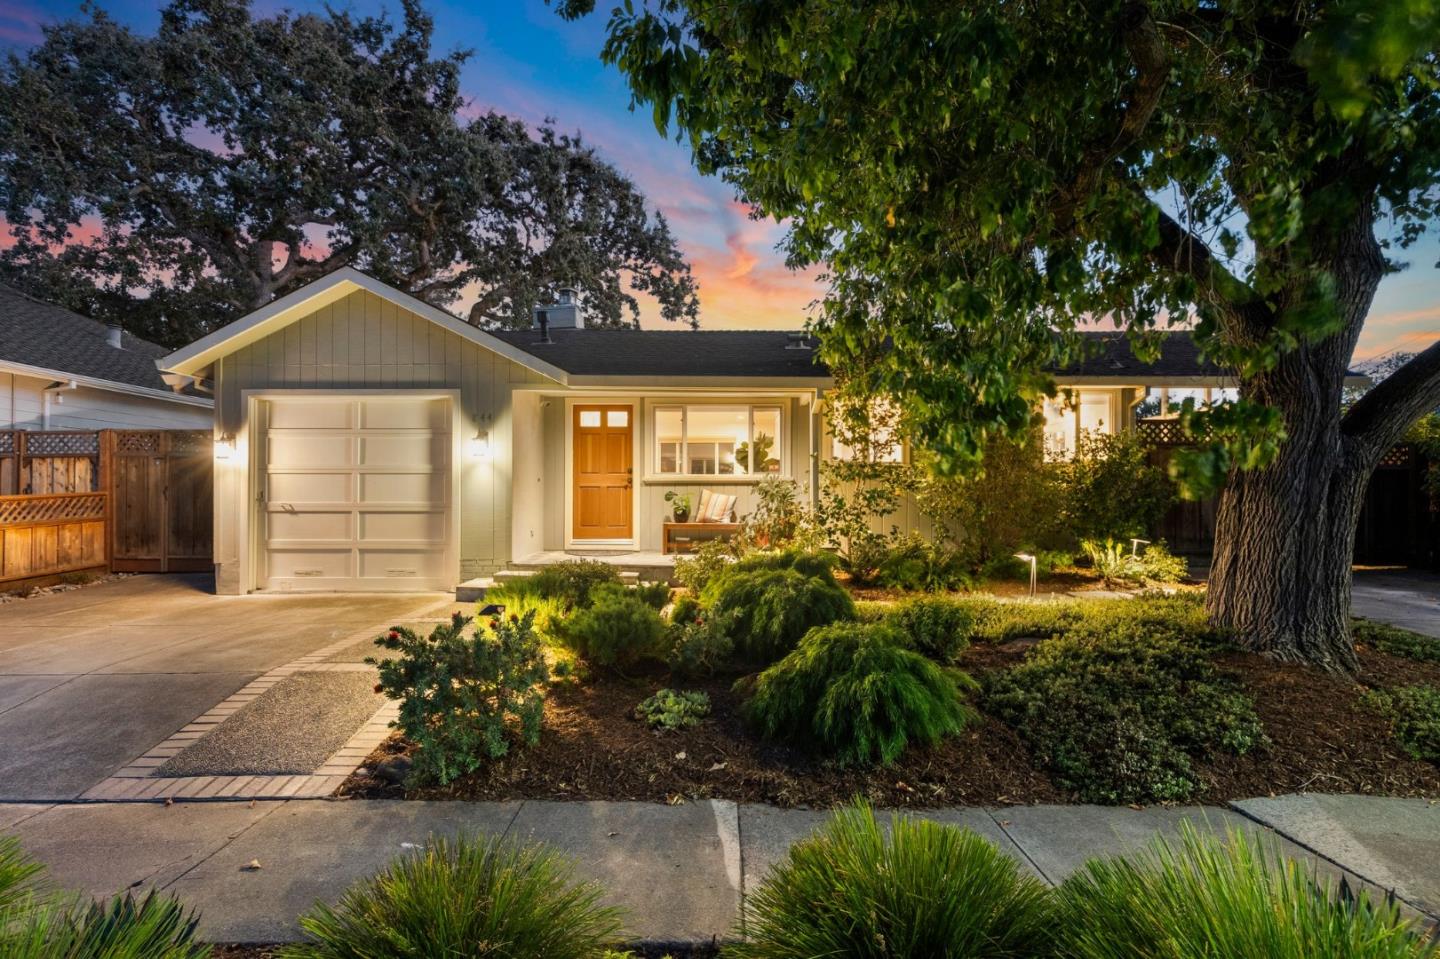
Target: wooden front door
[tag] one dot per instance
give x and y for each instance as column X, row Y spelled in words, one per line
column 603, row 472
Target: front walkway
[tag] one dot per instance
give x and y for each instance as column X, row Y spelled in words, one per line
column 679, row 871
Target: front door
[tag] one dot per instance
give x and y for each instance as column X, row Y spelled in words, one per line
column 603, row 472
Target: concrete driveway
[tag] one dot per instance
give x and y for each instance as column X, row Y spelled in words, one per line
column 1409, row 599
column 91, row 678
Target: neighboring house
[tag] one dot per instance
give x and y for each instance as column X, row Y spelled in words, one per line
column 63, row 371
column 369, row 441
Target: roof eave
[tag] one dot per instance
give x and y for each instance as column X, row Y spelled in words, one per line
column 100, row 383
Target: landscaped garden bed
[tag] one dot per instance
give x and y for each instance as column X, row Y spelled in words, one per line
column 1117, row 701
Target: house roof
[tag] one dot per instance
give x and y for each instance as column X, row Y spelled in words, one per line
column 50, row 340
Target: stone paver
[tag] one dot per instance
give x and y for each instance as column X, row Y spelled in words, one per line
column 1395, row 843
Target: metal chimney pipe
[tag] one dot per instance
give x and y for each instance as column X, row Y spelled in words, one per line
column 544, row 326
column 112, row 335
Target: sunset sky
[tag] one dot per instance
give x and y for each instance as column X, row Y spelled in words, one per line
column 531, row 64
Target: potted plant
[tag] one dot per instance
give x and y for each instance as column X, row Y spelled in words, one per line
column 679, row 505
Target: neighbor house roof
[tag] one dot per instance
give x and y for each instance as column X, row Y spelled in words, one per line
column 46, row 340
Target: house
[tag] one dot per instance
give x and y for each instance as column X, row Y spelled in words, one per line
column 366, row 440
column 63, row 371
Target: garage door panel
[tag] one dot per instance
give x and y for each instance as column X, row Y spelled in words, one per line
column 302, row 564
column 379, row 414
column 391, row 564
column 302, row 449
column 285, row 525
column 376, row 488
column 308, row 414
column 299, row 489
column 404, row 449
column 422, row 527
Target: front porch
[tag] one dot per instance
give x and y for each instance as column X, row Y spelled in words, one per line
column 647, row 566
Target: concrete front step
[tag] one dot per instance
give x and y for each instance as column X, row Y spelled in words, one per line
column 473, row 590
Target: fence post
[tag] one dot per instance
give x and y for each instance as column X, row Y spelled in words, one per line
column 105, row 483
column 22, row 468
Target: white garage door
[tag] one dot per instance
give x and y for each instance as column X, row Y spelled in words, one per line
column 356, row 493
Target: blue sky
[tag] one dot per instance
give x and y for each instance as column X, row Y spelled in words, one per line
column 529, row 63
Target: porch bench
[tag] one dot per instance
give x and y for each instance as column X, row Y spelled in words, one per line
column 680, row 537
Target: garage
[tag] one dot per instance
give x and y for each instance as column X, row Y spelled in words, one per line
column 355, row 493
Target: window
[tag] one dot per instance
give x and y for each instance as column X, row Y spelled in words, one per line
column 1081, row 411
column 718, row 440
column 884, row 445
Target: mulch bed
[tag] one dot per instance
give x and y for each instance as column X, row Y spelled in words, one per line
column 1322, row 740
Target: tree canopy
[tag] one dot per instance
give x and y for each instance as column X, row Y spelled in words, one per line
column 979, row 175
column 177, row 180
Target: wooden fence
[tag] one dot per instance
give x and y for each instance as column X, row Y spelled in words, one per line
column 124, row 500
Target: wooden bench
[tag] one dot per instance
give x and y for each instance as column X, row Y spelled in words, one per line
column 679, row 537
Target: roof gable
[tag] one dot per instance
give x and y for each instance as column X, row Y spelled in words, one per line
column 257, row 325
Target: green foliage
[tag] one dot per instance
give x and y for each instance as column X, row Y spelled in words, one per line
column 1000, row 621
column 816, row 564
column 679, row 502
column 654, row 595
column 1109, row 490
column 769, row 609
column 547, row 611
column 710, row 558
column 937, row 628
column 242, row 185
column 915, row 891
column 619, row 628
column 1120, row 707
column 1118, row 564
column 854, row 692
column 468, row 898
column 37, row 922
column 915, row 563
column 1396, row 641
column 465, row 694
column 1200, row 897
column 669, row 709
column 572, row 581
column 1011, row 567
column 780, row 520
column 1414, row 714
column 1180, row 617
column 701, row 644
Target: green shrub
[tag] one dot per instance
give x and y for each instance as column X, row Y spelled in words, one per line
column 654, row 595
column 548, row 611
column 1396, row 641
column 1156, row 565
column 768, row 610
column 917, row 564
column 467, row 898
column 684, row 610
column 700, row 646
column 998, row 621
column 668, row 709
column 1119, row 714
column 710, row 558
column 1116, row 563
column 820, row 565
column 854, row 692
column 572, row 582
column 938, row 628
column 917, row 891
column 1200, row 898
column 464, row 695
column 872, row 611
column 1180, row 616
column 1414, row 714
column 36, row 922
column 618, row 628
column 1011, row 567
column 1109, row 489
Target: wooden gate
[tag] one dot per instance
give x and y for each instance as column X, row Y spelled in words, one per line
column 161, row 495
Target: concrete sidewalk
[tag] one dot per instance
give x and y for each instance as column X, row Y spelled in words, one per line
column 679, row 871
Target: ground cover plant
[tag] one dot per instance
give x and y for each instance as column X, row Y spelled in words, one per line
column 469, row 898
column 465, row 694
column 1414, row 715
column 674, row 709
column 1396, row 641
column 854, row 692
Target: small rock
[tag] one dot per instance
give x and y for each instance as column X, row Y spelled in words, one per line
column 252, row 866
column 394, row 769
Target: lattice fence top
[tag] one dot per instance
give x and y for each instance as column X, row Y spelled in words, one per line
column 1162, row 432
column 29, row 510
column 61, row 443
column 192, row 442
column 7, row 442
column 137, row 441
column 1397, row 456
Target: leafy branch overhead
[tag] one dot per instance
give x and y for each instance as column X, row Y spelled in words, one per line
column 181, row 179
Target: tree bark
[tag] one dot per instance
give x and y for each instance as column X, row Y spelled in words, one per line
column 1285, row 534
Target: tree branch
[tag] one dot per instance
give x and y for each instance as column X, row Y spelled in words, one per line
column 1383, row 415
column 1184, row 252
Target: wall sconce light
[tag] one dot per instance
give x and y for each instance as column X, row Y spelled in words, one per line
column 225, row 446
column 1034, row 568
column 478, row 446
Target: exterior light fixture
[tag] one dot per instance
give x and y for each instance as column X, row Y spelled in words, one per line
column 1034, row 568
column 493, row 609
column 1135, row 546
column 480, row 445
column 225, row 446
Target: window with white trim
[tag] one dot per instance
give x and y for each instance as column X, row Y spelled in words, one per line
column 718, row 440
column 879, row 440
column 1076, row 412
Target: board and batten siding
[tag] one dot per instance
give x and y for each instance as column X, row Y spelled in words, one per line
column 22, row 407
column 363, row 342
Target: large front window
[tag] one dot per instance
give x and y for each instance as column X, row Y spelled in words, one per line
column 1072, row 414
column 717, row 440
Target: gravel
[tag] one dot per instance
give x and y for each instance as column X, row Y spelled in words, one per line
column 289, row 730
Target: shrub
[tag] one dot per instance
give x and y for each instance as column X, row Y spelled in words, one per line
column 700, row 646
column 1396, row 641
column 915, row 563
column 1179, row 616
column 1118, row 714
column 710, row 558
column 819, row 565
column 1109, row 489
column 668, row 709
column 466, row 898
column 654, row 595
column 1115, row 563
column 1414, row 714
column 852, row 691
column 618, row 628
column 938, row 628
column 1201, row 898
column 768, row 610
column 996, row 621
column 1011, row 567
column 548, row 611
column 916, row 891
column 465, row 695
column 572, row 582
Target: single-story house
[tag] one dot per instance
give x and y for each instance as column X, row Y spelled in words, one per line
column 366, row 440
column 63, row 371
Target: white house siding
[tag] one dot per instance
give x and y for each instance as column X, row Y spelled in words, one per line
column 365, row 342
column 22, row 407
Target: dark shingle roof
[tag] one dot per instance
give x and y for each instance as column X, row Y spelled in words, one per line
column 51, row 337
column 763, row 353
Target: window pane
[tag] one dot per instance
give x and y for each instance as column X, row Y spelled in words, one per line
column 713, row 434
column 700, row 457
column 668, row 438
column 589, row 418
column 764, row 451
column 1095, row 412
column 619, row 418
column 1059, row 429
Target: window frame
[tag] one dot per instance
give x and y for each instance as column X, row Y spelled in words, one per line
column 682, row 455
